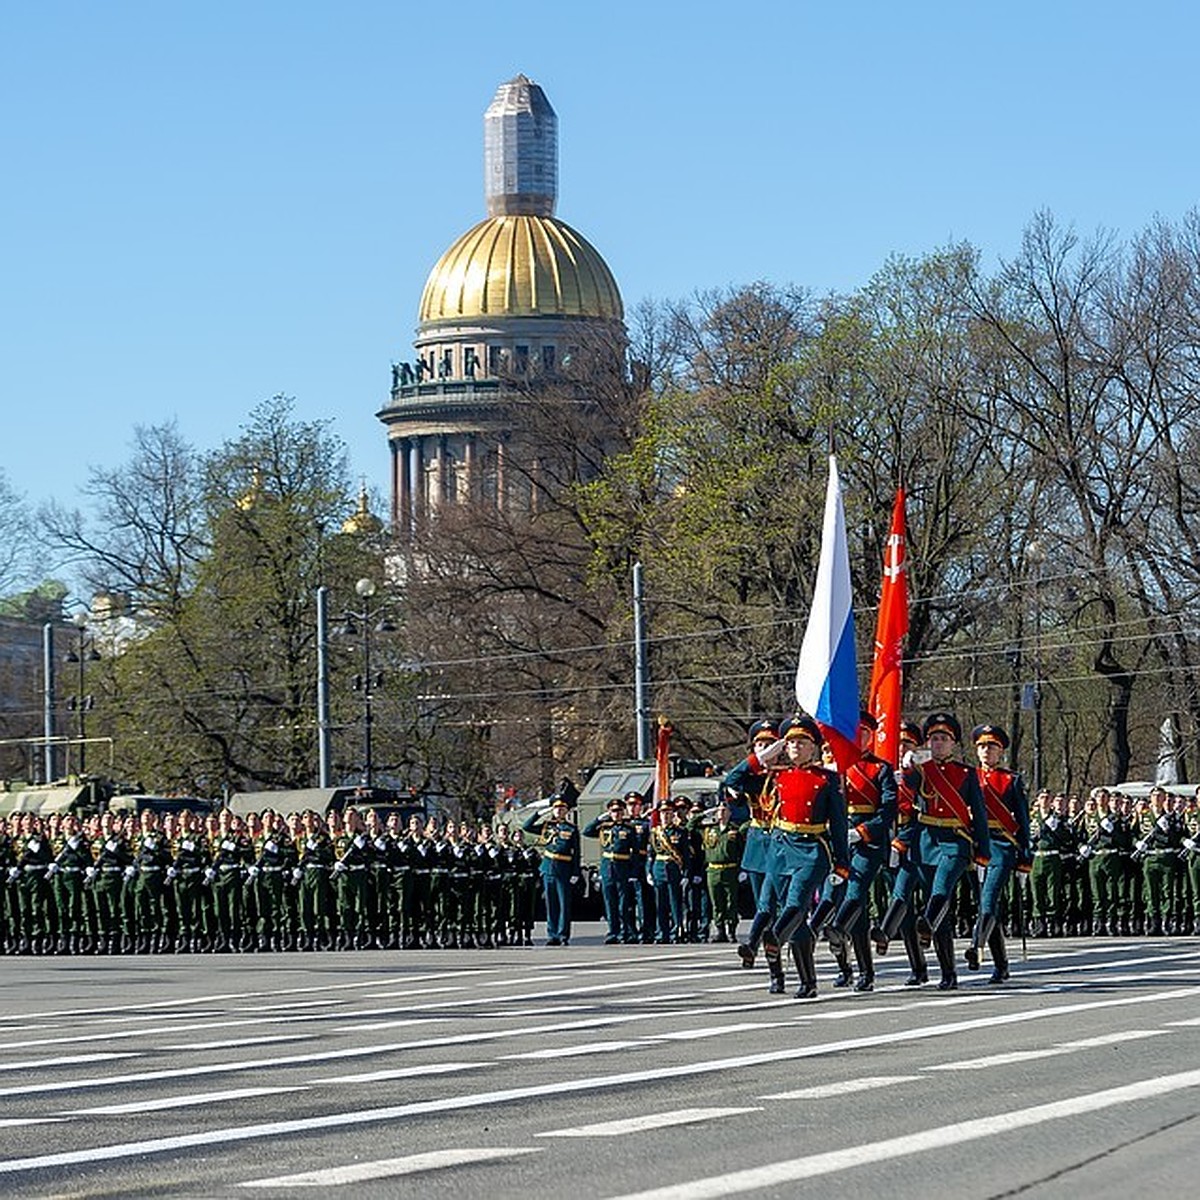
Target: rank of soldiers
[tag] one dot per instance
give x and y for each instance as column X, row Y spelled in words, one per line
column 185, row 884
column 941, row 847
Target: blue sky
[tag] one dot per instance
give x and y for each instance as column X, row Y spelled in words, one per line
column 204, row 205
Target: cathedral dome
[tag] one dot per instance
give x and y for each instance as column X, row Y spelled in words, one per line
column 520, row 265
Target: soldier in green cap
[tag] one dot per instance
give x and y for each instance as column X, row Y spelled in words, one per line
column 69, row 869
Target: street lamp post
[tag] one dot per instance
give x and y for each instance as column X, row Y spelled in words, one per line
column 80, row 703
column 1035, row 555
column 361, row 622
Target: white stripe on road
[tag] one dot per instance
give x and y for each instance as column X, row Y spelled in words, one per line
column 1020, row 1056
column 235, row 1042
column 404, row 1073
column 388, row 1168
column 687, row 1035
column 325, row 1121
column 73, row 1060
column 13, row 1122
column 1189, row 1022
column 774, row 1175
column 823, row 1091
column 188, row 1101
column 586, row 1048
column 640, row 1124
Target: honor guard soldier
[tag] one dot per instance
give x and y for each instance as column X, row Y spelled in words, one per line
column 753, row 780
column 1106, row 851
column 351, row 862
column 112, row 855
column 750, row 781
column 669, row 865
column 189, row 861
column 559, row 846
column 151, row 858
column 1160, row 836
column 808, row 830
column 231, row 853
column 641, row 892
column 618, row 860
column 953, row 832
column 275, row 860
column 722, row 842
column 315, row 854
column 1191, row 859
column 869, row 787
column 1007, row 809
column 70, row 867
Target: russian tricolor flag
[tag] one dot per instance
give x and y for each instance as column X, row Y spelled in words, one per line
column 826, row 680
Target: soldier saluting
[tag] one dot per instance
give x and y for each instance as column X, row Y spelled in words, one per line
column 559, row 845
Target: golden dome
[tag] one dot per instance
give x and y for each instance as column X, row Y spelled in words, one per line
column 521, row 266
column 362, row 520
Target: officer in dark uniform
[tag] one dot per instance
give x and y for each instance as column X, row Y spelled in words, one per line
column 953, row 833
column 809, row 833
column 1160, row 836
column 752, row 786
column 618, row 859
column 642, row 925
column 1007, row 809
column 559, row 846
column 669, row 864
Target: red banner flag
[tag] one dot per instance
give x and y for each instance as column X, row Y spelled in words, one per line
column 885, row 697
column 662, row 762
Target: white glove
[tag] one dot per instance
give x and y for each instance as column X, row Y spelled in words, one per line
column 766, row 755
column 1085, row 851
column 980, row 872
column 360, row 841
column 1189, row 843
column 297, row 874
column 339, row 867
column 906, row 760
column 1163, row 823
column 380, row 844
column 1141, row 845
column 853, row 836
column 893, row 858
column 130, row 872
column 650, row 878
column 742, row 876
column 89, row 872
column 209, row 875
column 1107, row 825
column 252, row 871
column 14, row 873
column 574, row 878
column 835, row 880
column 171, row 872
column 52, row 869
column 1052, row 821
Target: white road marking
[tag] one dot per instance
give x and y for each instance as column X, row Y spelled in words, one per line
column 326, row 1121
column 405, row 1073
column 586, row 1048
column 72, row 1060
column 189, row 1101
column 687, row 1035
column 13, row 1122
column 1189, row 1022
column 773, row 1175
column 822, row 1091
column 1060, row 1048
column 647, row 1121
column 389, row 1168
column 233, row 1043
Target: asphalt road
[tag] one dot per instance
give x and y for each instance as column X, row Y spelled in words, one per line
column 593, row 1071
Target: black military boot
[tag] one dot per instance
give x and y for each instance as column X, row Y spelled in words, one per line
column 999, row 953
column 806, row 969
column 748, row 950
column 862, row 954
column 824, row 910
column 943, row 945
column 841, row 955
column 787, row 924
column 887, row 929
column 918, row 968
column 774, row 966
column 931, row 919
column 983, row 931
column 838, row 930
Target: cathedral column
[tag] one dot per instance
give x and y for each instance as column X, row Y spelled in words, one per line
column 471, row 466
column 415, row 505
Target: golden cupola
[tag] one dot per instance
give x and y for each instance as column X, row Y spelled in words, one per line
column 506, row 305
